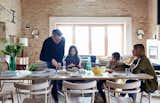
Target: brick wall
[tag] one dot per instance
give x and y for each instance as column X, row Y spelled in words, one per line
column 152, row 17
column 37, row 12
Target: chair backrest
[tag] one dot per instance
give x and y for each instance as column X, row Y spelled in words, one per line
column 115, row 85
column 32, row 87
column 79, row 86
column 4, row 66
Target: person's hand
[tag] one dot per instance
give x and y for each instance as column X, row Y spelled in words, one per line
column 54, row 63
column 71, row 65
column 59, row 66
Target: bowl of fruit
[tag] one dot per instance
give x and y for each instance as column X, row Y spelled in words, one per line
column 98, row 70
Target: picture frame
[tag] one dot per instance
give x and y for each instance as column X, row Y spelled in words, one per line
column 153, row 52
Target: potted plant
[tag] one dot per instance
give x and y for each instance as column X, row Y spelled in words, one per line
column 32, row 67
column 12, row 50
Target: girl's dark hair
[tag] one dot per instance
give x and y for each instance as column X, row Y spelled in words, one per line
column 73, row 47
column 116, row 55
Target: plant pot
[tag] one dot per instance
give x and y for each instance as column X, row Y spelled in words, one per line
column 12, row 64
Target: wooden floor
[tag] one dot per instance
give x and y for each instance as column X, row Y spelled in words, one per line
column 87, row 99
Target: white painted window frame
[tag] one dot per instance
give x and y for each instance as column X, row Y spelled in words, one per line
column 127, row 21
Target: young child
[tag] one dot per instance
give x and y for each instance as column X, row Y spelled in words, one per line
column 115, row 63
column 72, row 59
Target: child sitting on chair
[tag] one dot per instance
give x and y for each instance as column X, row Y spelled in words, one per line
column 115, row 63
column 72, row 59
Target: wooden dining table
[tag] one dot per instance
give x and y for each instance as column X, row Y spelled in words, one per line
column 66, row 75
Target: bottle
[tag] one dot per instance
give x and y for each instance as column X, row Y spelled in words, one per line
column 89, row 64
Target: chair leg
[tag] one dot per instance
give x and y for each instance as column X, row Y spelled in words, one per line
column 92, row 98
column 18, row 98
column 3, row 99
column 135, row 98
column 12, row 97
column 141, row 97
column 149, row 97
column 46, row 98
column 109, row 95
column 106, row 96
column 51, row 98
column 66, row 97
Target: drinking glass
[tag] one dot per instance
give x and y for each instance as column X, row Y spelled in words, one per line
column 127, row 71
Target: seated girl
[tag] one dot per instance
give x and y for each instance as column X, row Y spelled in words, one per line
column 72, row 59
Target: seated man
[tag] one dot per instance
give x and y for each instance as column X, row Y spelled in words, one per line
column 142, row 65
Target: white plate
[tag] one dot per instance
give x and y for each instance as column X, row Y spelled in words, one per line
column 39, row 75
column 50, row 70
column 38, row 72
column 76, row 75
column 18, row 73
column 8, row 74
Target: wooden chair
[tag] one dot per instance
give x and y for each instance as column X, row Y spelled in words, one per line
column 79, row 88
column 4, row 67
column 7, row 95
column 126, row 88
column 4, row 94
column 33, row 90
column 150, row 95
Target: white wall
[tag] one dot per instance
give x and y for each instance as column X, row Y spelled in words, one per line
column 11, row 29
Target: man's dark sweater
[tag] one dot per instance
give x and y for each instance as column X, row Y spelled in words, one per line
column 51, row 50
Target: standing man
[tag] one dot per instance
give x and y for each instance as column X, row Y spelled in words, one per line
column 52, row 53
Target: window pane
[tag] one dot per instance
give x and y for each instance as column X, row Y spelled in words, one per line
column 98, row 40
column 68, row 35
column 82, row 39
column 114, row 39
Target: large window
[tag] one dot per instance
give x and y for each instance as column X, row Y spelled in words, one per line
column 94, row 39
column 100, row 36
column 98, row 40
column 68, row 35
column 115, row 38
column 82, row 39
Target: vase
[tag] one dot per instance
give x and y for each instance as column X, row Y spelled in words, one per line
column 12, row 64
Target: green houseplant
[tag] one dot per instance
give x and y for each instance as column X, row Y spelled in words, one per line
column 32, row 67
column 12, row 50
